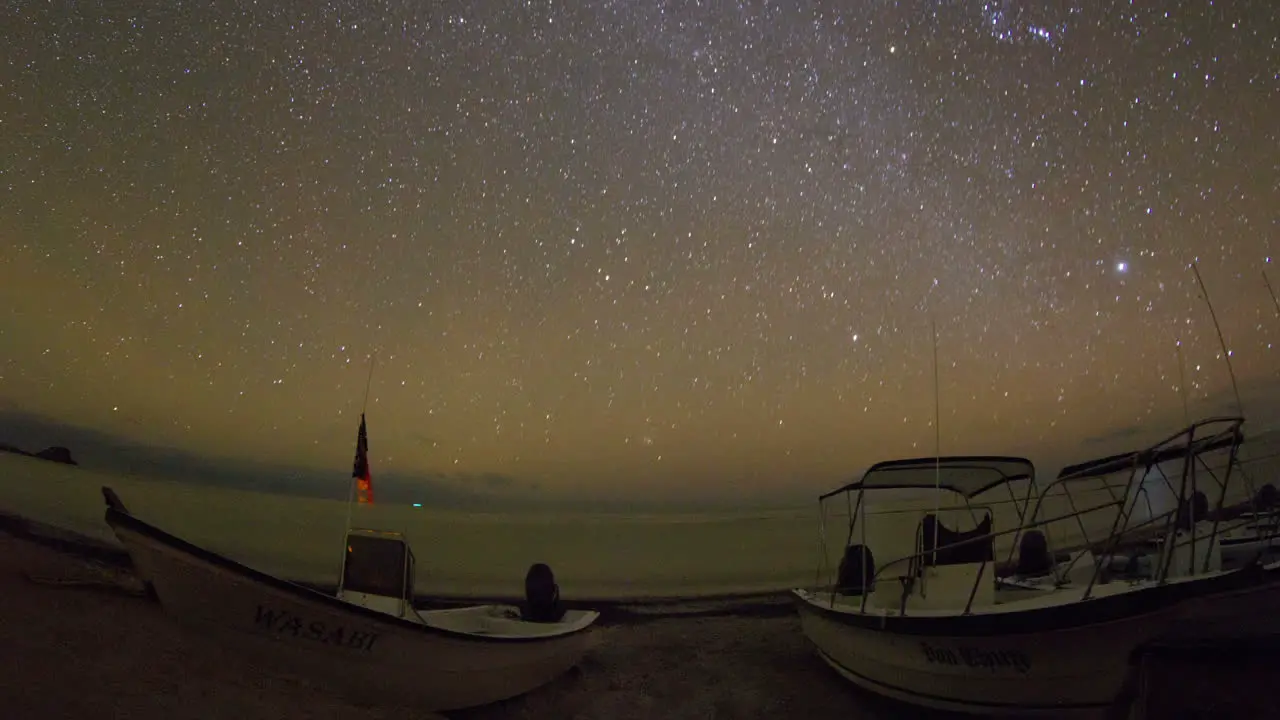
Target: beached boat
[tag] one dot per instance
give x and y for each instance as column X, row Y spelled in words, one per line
column 935, row 626
column 1251, row 535
column 369, row 641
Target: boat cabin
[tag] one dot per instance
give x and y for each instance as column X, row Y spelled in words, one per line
column 377, row 571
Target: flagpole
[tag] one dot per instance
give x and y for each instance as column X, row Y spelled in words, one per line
column 351, row 482
column 368, row 383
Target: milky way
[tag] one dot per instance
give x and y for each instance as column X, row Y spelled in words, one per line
column 636, row 247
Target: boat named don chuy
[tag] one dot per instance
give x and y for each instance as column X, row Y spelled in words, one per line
column 368, row 641
column 951, row 622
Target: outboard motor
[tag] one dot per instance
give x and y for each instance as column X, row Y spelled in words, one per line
column 857, row 571
column 541, row 595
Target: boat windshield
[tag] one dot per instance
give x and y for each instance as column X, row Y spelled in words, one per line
column 375, row 566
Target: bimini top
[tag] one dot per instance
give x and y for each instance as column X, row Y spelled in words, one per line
column 966, row 475
column 1158, row 454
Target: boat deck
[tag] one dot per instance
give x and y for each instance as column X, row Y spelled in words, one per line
column 1007, row 599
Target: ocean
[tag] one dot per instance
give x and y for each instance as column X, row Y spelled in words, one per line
column 458, row 553
column 594, row 556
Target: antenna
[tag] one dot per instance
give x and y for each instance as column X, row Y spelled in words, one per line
column 1226, row 354
column 937, row 437
column 1273, row 292
column 937, row 428
column 1182, row 386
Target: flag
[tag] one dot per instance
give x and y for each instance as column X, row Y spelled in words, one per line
column 360, row 470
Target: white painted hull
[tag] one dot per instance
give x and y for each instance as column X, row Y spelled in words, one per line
column 1073, row 671
column 1240, row 550
column 362, row 654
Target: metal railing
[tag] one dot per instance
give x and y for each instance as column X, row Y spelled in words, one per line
column 1123, row 529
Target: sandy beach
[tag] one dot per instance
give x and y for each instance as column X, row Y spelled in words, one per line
column 79, row 645
column 80, row 639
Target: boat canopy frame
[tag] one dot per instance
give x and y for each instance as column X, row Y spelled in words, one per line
column 966, row 476
column 1189, row 445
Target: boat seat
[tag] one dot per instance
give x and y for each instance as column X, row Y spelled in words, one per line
column 1191, row 513
column 1267, row 497
column 541, row 596
column 857, row 571
column 1034, row 558
column 935, row 535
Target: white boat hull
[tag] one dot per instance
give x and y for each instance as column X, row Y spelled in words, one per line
column 363, row 654
column 1069, row 671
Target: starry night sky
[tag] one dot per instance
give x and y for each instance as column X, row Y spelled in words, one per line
column 636, row 248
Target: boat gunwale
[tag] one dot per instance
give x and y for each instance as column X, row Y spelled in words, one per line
column 1069, row 615
column 116, row 517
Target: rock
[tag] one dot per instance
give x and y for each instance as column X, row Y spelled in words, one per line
column 57, row 454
